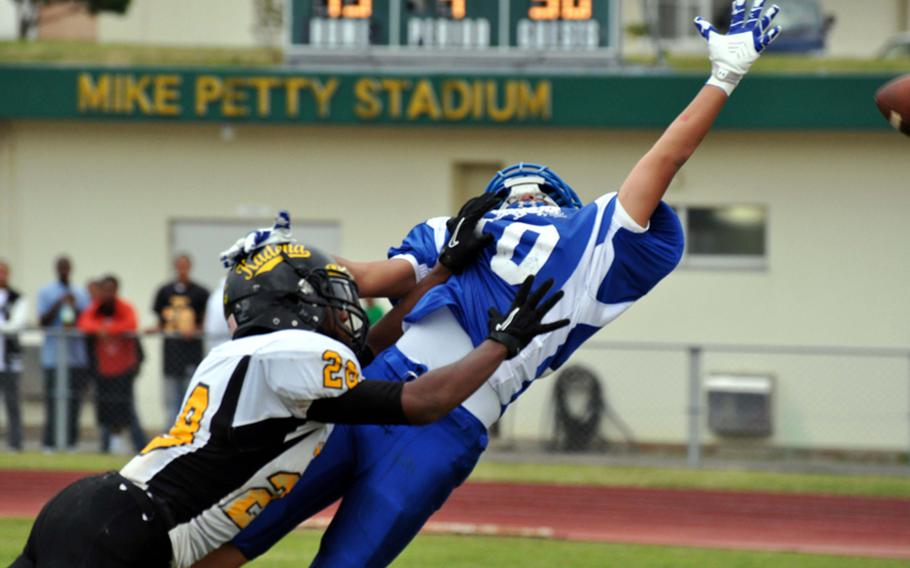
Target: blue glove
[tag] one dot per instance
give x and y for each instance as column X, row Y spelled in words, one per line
column 733, row 54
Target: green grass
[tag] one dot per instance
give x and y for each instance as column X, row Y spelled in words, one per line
column 720, row 480
column 116, row 54
column 801, row 64
column 125, row 54
column 461, row 551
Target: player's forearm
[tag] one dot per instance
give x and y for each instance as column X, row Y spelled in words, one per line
column 392, row 278
column 436, row 393
column 388, row 329
column 646, row 184
column 687, row 131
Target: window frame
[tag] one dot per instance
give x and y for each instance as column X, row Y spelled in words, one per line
column 732, row 262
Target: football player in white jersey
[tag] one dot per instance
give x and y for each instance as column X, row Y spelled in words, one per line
column 259, row 408
column 604, row 256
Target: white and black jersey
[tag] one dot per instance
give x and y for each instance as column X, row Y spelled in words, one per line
column 242, row 437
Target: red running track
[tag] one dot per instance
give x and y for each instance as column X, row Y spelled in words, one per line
column 856, row 526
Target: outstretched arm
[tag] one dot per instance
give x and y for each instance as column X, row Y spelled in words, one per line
column 436, row 393
column 392, row 278
column 731, row 57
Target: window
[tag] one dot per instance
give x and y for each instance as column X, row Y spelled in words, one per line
column 469, row 179
column 674, row 20
column 725, row 236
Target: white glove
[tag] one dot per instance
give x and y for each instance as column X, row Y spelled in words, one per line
column 279, row 233
column 733, row 54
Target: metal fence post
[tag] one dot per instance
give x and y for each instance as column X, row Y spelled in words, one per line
column 694, row 450
column 61, row 389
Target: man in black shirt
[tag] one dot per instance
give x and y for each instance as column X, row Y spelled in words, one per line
column 180, row 306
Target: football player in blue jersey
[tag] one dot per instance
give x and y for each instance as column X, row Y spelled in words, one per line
column 604, row 256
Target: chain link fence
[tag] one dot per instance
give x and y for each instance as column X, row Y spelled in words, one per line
column 723, row 404
column 690, row 403
column 129, row 390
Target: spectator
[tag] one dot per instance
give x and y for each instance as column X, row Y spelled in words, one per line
column 216, row 328
column 112, row 323
column 59, row 305
column 180, row 306
column 13, row 308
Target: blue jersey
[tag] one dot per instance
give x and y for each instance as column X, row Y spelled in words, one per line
column 601, row 259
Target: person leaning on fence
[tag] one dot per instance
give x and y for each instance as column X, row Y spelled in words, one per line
column 59, row 304
column 111, row 322
column 13, row 307
column 180, row 307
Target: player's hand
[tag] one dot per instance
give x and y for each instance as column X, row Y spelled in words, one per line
column 464, row 242
column 523, row 321
column 733, row 54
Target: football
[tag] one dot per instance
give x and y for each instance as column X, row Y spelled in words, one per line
column 893, row 100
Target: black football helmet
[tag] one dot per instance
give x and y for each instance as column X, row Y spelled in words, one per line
column 294, row 286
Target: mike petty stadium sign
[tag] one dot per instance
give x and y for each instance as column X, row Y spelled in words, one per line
column 289, row 96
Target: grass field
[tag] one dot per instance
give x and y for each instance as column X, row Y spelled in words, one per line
column 576, row 474
column 464, row 551
column 461, row 551
column 114, row 54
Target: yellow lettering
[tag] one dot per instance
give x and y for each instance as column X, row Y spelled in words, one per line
column 324, row 95
column 136, row 95
column 534, row 102
column 368, row 106
column 478, row 100
column 187, row 423
column 94, row 95
column 423, row 101
column 507, row 110
column 208, row 90
column 452, row 90
column 247, row 506
column 234, row 102
column 283, row 482
column 167, row 94
column 119, row 89
column 263, row 86
column 292, row 88
column 394, row 87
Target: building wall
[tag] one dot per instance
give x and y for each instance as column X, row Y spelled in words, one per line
column 860, row 28
column 838, row 264
column 172, row 22
column 8, row 21
column 67, row 21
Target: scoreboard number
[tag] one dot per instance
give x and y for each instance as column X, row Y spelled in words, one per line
column 457, row 9
column 556, row 9
column 477, row 32
column 354, row 10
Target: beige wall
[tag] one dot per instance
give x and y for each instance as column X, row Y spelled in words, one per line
column 838, row 258
column 172, row 22
column 67, row 21
column 861, row 28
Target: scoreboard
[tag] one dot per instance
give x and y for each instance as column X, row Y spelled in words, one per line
column 474, row 31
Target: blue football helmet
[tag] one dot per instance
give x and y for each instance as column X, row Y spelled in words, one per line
column 526, row 174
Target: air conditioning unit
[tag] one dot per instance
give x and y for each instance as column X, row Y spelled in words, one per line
column 739, row 405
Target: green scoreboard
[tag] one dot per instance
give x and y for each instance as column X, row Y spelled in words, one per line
column 511, row 32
